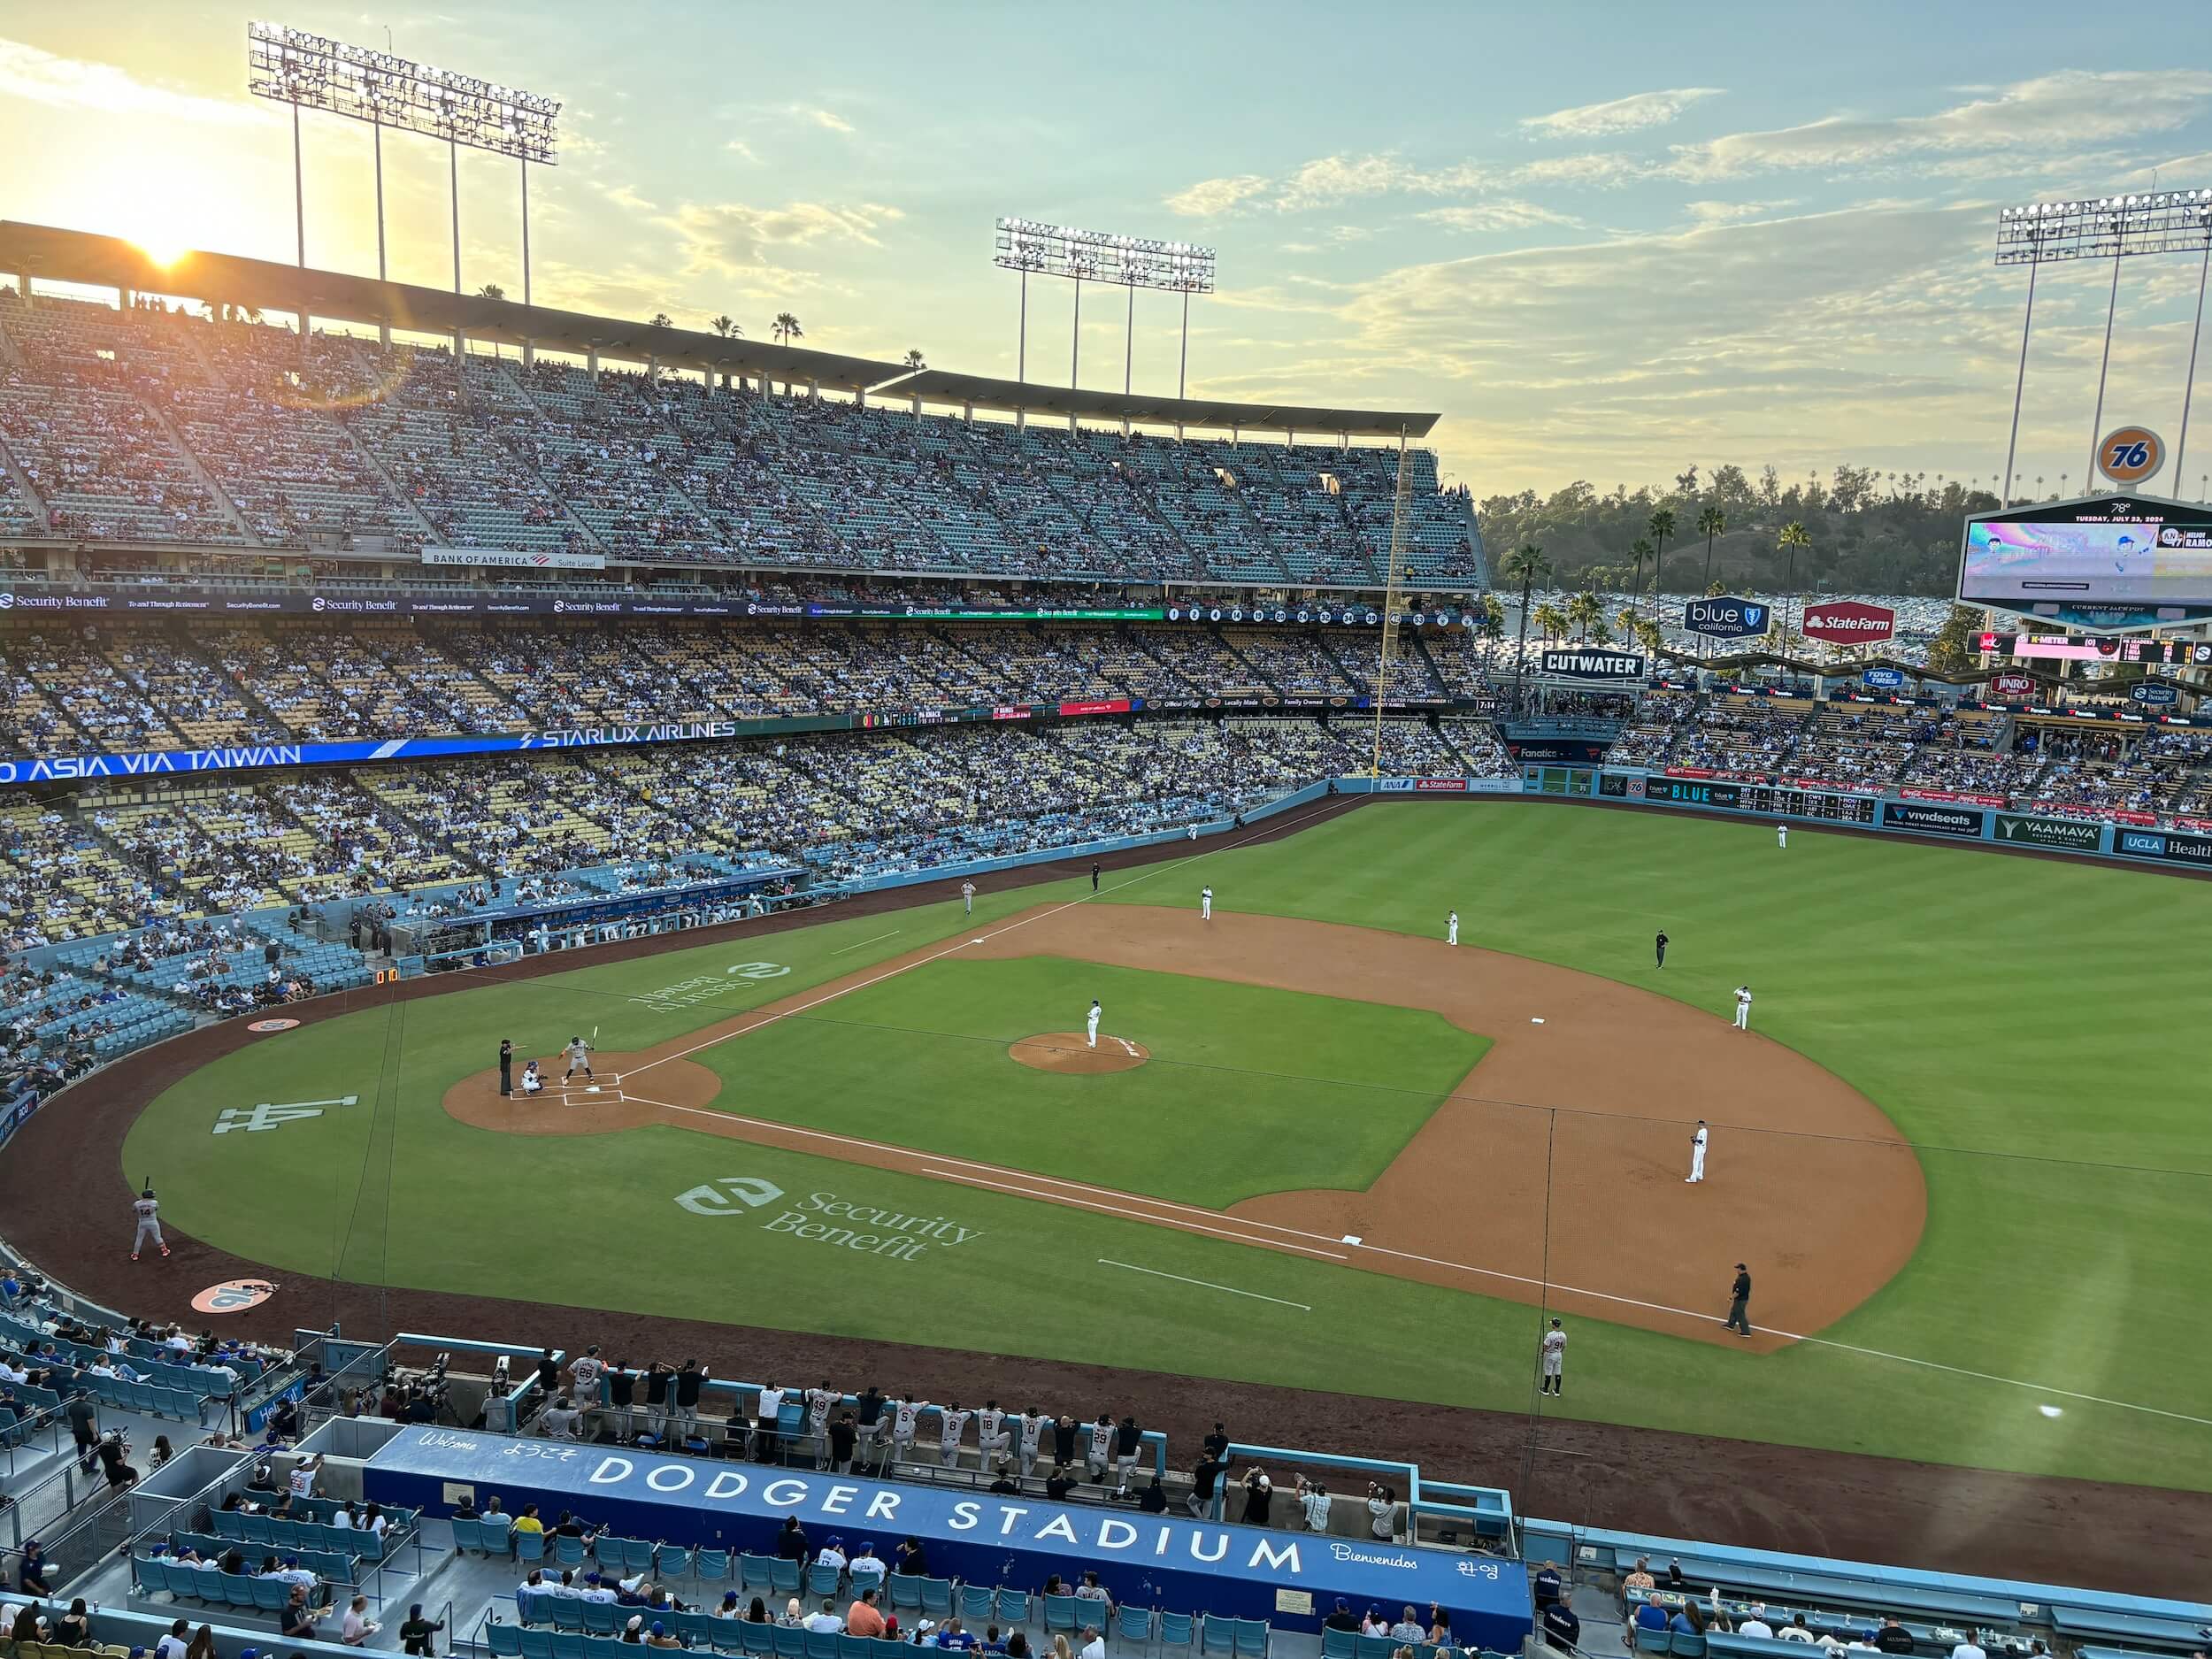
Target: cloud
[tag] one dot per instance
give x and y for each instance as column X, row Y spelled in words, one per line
column 829, row 120
column 1209, row 198
column 2050, row 112
column 1504, row 213
column 735, row 237
column 1621, row 115
column 623, row 196
column 1703, row 213
column 743, row 151
column 77, row 83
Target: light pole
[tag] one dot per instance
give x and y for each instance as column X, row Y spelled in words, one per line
column 1137, row 262
column 309, row 71
column 2096, row 227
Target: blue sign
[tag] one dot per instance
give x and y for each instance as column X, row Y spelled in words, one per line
column 1727, row 618
column 2154, row 693
column 1290, row 1578
column 1885, row 678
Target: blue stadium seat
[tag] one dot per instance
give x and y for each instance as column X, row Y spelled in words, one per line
column 1252, row 1636
column 1217, row 1635
column 505, row 1641
column 1134, row 1623
column 710, row 1566
column 602, row 1618
column 821, row 1644
column 822, row 1580
column 567, row 1643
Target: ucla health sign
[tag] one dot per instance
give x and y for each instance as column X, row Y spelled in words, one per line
column 1292, row 1579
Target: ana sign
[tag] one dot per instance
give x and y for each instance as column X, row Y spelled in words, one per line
column 1727, row 618
column 1620, row 668
column 1848, row 622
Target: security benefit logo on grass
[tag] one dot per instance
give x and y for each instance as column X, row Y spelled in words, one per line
column 850, row 1225
column 705, row 987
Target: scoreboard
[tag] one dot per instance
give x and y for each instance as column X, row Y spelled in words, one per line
column 1835, row 805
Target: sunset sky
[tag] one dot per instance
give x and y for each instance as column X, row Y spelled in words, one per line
column 1605, row 241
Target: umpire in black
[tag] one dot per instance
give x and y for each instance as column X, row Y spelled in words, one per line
column 1740, row 1302
column 506, row 1065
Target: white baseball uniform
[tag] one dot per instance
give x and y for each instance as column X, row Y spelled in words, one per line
column 950, row 1426
column 1697, row 1156
column 967, row 898
column 1781, row 834
column 990, row 1437
column 1554, row 1352
column 1094, row 1025
column 1205, row 904
column 1451, row 928
column 1743, row 1007
column 144, row 1209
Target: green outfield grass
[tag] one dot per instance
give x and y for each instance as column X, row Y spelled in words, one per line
column 2029, row 1024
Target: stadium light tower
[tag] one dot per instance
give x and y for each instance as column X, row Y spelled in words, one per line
column 2097, row 227
column 1134, row 261
column 288, row 66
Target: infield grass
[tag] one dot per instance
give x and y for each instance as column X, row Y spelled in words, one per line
column 2032, row 1026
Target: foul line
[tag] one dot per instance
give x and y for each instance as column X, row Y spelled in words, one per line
column 1205, row 1284
column 1138, row 1215
column 877, row 940
column 938, row 956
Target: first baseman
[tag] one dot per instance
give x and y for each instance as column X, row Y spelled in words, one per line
column 1094, row 1022
column 144, row 1208
column 1205, row 904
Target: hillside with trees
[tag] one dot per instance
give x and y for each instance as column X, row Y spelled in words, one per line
column 1860, row 531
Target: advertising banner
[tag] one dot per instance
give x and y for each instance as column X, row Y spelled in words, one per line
column 1616, row 667
column 2187, row 850
column 1884, row 679
column 2153, row 694
column 1923, row 819
column 1726, row 616
column 2048, row 831
column 489, row 558
column 1290, row 1578
column 1693, row 792
column 1952, row 795
column 2011, row 686
column 1848, row 622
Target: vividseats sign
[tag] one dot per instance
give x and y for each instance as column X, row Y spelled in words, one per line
column 1142, row 1559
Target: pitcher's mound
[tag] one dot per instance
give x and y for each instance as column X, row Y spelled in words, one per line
column 1071, row 1051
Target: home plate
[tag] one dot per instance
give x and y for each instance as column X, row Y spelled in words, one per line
column 591, row 1088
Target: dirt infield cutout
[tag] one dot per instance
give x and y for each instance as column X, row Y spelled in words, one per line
column 1074, row 1053
column 1553, row 1173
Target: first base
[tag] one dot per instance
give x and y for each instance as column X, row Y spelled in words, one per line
column 1534, row 1020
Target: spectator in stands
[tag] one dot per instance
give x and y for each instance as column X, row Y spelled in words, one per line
column 1639, row 1579
column 298, row 1622
column 1205, row 1474
column 1967, row 1649
column 1382, row 1511
column 1094, row 1644
column 562, row 1419
column 1259, row 1497
column 1651, row 1617
column 1313, row 1504
column 824, row 1619
column 415, row 1632
column 863, row 1617
column 1154, row 1498
column 658, row 1637
column 1793, row 1629
column 172, row 1646
column 1548, row 1584
column 1562, row 1628
column 35, row 1576
column 1755, row 1622
column 1409, row 1628
column 757, row 1613
column 30, row 1625
column 1893, row 1636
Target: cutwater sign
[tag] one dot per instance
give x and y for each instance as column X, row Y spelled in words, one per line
column 1727, row 618
column 1142, row 1559
column 1621, row 666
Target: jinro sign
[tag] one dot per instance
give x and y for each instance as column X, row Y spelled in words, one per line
column 1848, row 622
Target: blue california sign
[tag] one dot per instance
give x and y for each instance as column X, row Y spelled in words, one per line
column 1292, row 1579
column 1727, row 618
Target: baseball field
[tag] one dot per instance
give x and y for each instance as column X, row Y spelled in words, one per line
column 1962, row 1149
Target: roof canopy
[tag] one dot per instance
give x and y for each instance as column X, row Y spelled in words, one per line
column 79, row 256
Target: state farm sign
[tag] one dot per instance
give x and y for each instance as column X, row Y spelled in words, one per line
column 1848, row 622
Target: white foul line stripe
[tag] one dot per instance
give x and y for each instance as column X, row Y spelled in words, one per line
column 1205, row 1284
column 877, row 940
column 1138, row 1215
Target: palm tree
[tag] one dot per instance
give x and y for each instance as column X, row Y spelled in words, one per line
column 1641, row 549
column 788, row 329
column 1527, row 565
column 1793, row 537
column 1712, row 524
column 492, row 291
column 661, row 320
column 725, row 326
column 914, row 359
column 1551, row 621
column 1662, row 526
column 1584, row 613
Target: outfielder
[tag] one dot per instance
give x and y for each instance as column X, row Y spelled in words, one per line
column 1451, row 928
column 967, row 898
column 145, row 1207
column 1782, row 835
column 1094, row 1022
column 1554, row 1360
column 1205, row 904
column 1697, row 1155
column 1743, row 1007
column 578, row 1058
